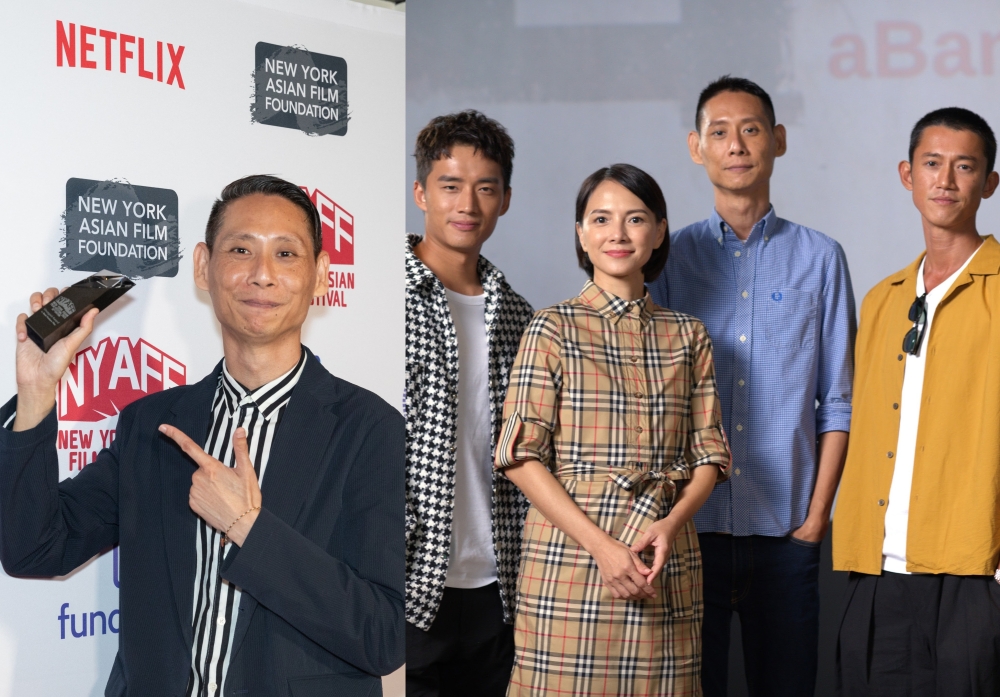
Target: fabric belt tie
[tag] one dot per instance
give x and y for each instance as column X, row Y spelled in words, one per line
column 653, row 492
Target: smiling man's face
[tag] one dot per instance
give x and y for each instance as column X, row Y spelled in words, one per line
column 736, row 142
column 262, row 272
column 948, row 176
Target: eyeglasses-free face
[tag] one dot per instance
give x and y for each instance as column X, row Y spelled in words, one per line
column 917, row 315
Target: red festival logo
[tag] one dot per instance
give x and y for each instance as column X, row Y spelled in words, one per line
column 106, row 378
column 338, row 228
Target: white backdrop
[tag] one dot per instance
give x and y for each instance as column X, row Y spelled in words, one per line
column 101, row 123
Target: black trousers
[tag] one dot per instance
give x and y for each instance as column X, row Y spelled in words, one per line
column 920, row 636
column 467, row 651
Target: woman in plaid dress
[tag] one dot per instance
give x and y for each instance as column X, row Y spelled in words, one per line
column 613, row 432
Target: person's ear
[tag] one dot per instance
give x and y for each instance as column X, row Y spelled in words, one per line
column 506, row 201
column 661, row 232
column 420, row 196
column 579, row 234
column 694, row 147
column 992, row 179
column 322, row 274
column 202, row 255
column 906, row 174
column 780, row 140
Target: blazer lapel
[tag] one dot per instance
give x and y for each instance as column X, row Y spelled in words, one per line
column 192, row 414
column 297, row 459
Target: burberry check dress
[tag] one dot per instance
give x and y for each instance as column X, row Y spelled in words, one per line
column 618, row 400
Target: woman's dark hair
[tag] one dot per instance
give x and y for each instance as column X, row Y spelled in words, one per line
column 469, row 127
column 647, row 190
column 271, row 186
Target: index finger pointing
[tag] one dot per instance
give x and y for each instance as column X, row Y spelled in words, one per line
column 190, row 448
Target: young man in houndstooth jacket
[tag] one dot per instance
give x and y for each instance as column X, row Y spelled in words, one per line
column 463, row 327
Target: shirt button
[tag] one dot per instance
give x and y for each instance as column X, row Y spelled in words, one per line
column 736, row 254
column 221, row 621
column 743, row 337
column 881, row 502
column 736, row 471
column 739, row 427
column 638, row 395
column 746, row 294
column 889, row 454
column 638, row 429
column 767, row 237
column 895, row 405
column 212, row 687
column 899, row 357
column 741, row 383
column 633, row 358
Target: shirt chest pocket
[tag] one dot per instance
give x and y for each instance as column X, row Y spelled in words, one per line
column 790, row 318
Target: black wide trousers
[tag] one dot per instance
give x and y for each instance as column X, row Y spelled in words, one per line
column 920, row 635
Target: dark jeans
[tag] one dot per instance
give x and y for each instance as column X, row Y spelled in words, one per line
column 931, row 635
column 773, row 584
column 467, row 651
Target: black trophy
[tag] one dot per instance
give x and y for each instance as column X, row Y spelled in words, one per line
column 61, row 316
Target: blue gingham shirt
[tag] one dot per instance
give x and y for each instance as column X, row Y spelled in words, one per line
column 780, row 310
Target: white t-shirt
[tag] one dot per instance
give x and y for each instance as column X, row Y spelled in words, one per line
column 897, row 514
column 472, row 562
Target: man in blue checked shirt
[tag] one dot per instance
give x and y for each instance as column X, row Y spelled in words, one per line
column 777, row 301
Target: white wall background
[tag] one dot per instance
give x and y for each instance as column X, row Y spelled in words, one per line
column 61, row 122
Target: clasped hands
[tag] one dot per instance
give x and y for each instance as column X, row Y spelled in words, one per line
column 227, row 498
column 624, row 573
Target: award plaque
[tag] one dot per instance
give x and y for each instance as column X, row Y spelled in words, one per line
column 61, row 316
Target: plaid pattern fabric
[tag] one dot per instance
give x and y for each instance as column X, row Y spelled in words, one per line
column 430, row 406
column 618, row 400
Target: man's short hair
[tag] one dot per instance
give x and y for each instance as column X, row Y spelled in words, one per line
column 469, row 127
column 728, row 83
column 646, row 190
column 957, row 119
column 269, row 186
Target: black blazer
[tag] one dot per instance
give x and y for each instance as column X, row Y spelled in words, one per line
column 322, row 570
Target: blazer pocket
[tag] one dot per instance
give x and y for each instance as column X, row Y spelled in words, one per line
column 339, row 685
column 116, row 681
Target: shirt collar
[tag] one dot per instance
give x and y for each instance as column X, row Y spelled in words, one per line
column 417, row 273
column 765, row 227
column 267, row 398
column 613, row 308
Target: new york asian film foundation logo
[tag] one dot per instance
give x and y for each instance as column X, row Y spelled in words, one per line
column 338, row 242
column 101, row 381
column 300, row 89
column 120, row 227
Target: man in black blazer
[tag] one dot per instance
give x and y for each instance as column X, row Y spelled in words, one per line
column 259, row 512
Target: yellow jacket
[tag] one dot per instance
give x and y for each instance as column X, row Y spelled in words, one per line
column 954, row 520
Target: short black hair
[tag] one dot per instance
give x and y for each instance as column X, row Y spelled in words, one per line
column 270, row 186
column 957, row 119
column 647, row 190
column 728, row 83
column 468, row 127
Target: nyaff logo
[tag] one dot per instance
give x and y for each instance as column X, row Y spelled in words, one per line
column 100, row 382
column 338, row 227
column 338, row 241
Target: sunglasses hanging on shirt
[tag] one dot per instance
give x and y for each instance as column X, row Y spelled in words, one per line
column 918, row 315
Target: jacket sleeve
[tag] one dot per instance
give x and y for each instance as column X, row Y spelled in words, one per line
column 48, row 527
column 352, row 606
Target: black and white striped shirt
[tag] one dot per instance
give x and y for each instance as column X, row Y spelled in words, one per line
column 215, row 599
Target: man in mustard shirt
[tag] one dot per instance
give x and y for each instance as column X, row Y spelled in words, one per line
column 918, row 515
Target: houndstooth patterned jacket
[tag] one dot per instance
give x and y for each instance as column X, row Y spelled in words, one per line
column 430, row 406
